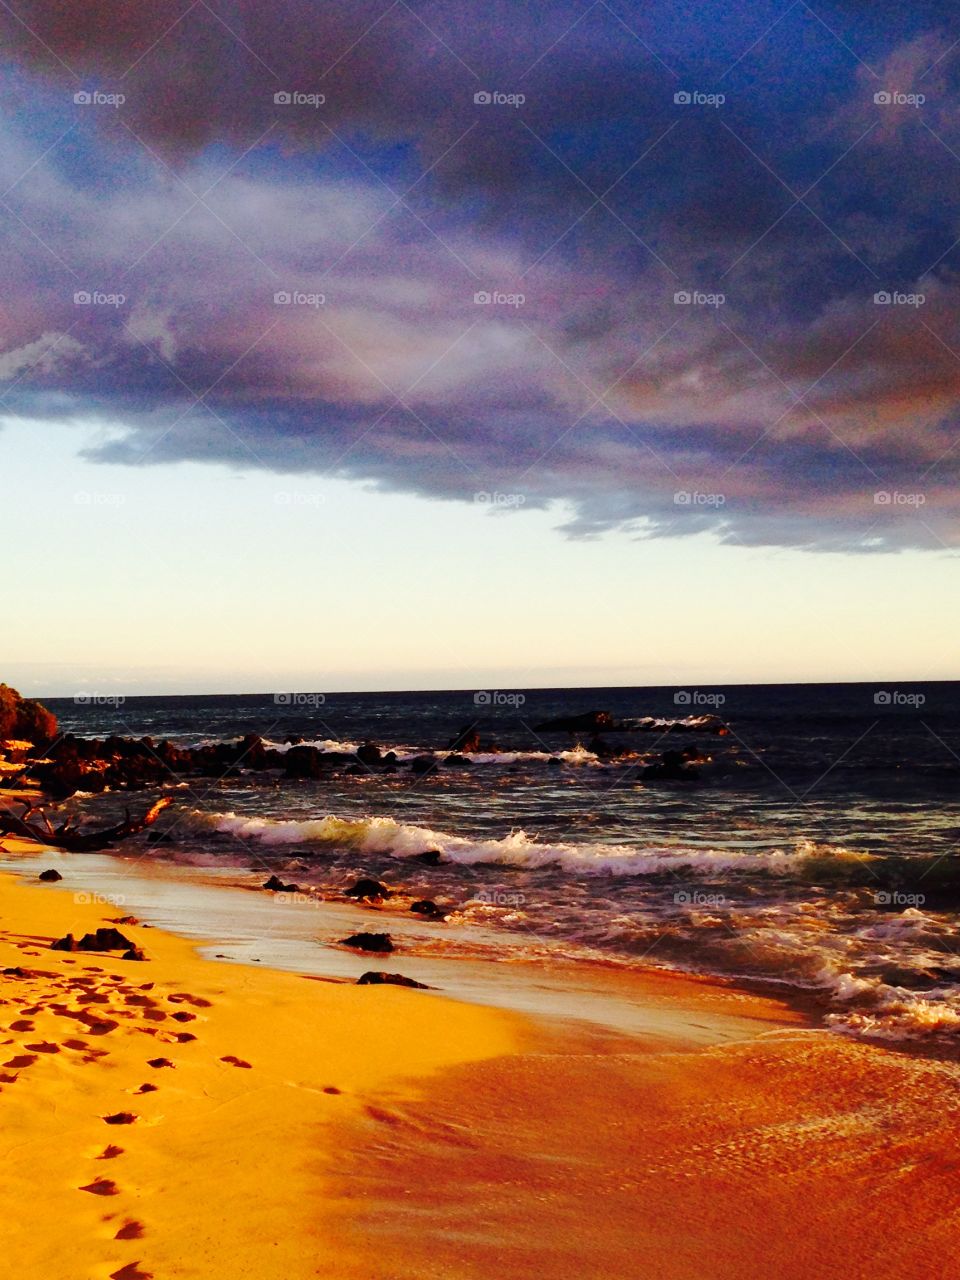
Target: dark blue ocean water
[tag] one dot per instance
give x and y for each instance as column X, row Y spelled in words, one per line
column 819, row 846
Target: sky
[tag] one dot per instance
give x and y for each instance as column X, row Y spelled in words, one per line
column 397, row 345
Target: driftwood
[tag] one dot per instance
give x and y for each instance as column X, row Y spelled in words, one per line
column 67, row 837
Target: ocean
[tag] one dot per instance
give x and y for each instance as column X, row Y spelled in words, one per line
column 816, row 849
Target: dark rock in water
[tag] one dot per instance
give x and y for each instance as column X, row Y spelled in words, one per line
column 50, row 875
column 366, row 888
column 458, row 762
column 294, row 739
column 429, row 910
column 671, row 767
column 369, row 754
column 423, row 764
column 468, row 739
column 277, row 886
column 588, row 722
column 303, row 762
column 69, row 943
column 368, row 941
column 159, row 837
column 105, row 940
column 389, row 979
column 432, row 858
column 390, row 758
column 355, row 770
column 135, row 953
column 554, row 762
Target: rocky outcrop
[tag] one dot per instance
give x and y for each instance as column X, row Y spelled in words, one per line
column 24, row 718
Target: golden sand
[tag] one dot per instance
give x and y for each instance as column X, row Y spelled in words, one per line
column 219, row 1161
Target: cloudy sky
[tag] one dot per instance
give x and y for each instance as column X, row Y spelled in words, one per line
column 438, row 343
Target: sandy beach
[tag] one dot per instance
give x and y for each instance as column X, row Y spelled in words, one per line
column 183, row 1117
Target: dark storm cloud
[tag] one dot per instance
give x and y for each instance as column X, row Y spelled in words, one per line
column 299, row 294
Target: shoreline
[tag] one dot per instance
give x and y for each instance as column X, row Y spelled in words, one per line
column 463, row 1137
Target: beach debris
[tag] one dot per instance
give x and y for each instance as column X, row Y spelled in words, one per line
column 428, row 909
column 276, row 885
column 368, row 941
column 371, row 979
column 367, row 888
column 50, row 875
column 66, row 837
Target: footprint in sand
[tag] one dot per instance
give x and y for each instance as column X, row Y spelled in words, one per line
column 102, row 1187
column 44, row 1046
column 157, row 1063
column 131, row 1272
column 22, row 1060
column 121, row 1117
column 110, row 1153
column 235, row 1062
column 130, row 1231
column 146, row 1088
column 22, row 1024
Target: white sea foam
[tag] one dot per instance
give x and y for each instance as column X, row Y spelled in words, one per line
column 380, row 835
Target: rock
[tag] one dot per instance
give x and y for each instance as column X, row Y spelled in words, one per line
column 104, row 940
column 23, row 718
column 369, row 754
column 554, row 762
column 468, row 739
column 135, row 953
column 368, row 941
column 428, row 909
column 458, row 762
column 432, row 858
column 389, row 979
column 671, row 767
column 365, row 888
column 355, row 770
column 69, row 943
column 423, row 764
column 50, row 875
column 277, row 886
